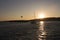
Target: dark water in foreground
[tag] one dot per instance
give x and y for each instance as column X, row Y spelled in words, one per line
column 50, row 30
column 45, row 30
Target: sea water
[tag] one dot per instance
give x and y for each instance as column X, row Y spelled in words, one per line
column 49, row 30
column 44, row 30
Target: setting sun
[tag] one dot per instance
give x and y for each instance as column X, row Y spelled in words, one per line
column 41, row 15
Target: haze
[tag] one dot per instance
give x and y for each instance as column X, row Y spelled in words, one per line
column 14, row 9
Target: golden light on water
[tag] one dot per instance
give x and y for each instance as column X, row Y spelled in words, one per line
column 42, row 34
column 42, row 25
column 41, row 22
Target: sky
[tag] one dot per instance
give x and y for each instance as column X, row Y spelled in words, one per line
column 14, row 9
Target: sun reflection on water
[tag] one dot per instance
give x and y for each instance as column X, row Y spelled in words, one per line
column 41, row 25
column 42, row 34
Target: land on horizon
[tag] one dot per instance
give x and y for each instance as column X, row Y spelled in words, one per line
column 43, row 19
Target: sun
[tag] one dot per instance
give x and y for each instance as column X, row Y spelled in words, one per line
column 41, row 15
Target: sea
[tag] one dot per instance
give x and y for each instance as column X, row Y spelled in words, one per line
column 43, row 30
column 50, row 30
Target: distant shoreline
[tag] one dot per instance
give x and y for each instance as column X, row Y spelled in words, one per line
column 44, row 19
column 49, row 19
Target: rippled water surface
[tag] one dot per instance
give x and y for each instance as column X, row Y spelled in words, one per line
column 49, row 30
column 44, row 30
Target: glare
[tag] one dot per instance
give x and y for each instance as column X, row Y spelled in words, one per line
column 42, row 35
column 41, row 15
column 41, row 25
column 41, row 22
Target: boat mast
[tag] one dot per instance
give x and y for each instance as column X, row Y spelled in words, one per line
column 34, row 15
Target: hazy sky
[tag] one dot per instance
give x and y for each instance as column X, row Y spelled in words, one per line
column 13, row 9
